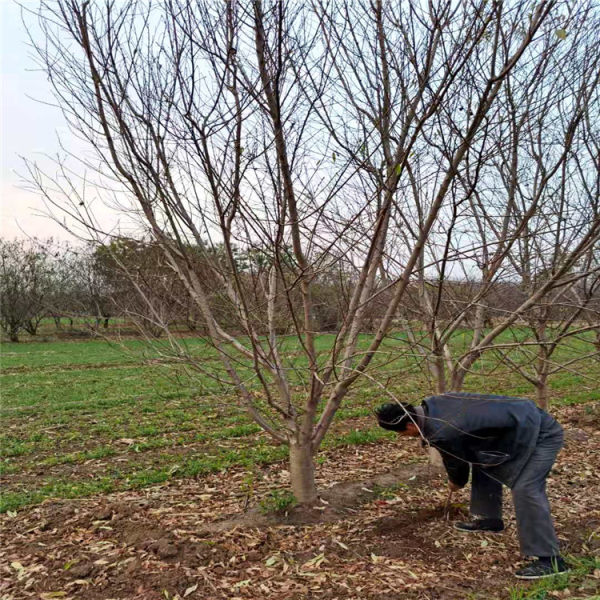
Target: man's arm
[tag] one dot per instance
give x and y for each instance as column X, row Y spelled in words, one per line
column 458, row 470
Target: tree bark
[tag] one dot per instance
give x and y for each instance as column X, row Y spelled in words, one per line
column 458, row 378
column 302, row 473
column 438, row 371
column 480, row 314
column 542, row 395
column 435, row 458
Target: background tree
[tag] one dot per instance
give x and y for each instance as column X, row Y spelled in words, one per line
column 25, row 286
column 138, row 285
column 497, row 189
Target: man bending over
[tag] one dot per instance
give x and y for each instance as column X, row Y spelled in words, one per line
column 502, row 440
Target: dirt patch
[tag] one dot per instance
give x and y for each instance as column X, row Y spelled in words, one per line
column 418, row 520
column 398, row 537
column 166, row 546
column 378, row 533
column 337, row 502
column 584, row 534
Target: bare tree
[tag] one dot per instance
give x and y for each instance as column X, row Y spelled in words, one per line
column 64, row 298
column 496, row 165
column 25, row 286
column 290, row 131
column 558, row 326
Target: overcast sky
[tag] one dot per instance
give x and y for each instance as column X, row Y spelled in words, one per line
column 28, row 128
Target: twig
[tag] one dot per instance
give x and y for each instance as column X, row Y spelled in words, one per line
column 447, row 505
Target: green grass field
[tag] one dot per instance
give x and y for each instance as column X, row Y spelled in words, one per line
column 86, row 417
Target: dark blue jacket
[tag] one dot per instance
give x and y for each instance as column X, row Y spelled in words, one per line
column 496, row 433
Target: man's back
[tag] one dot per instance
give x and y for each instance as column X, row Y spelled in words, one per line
column 497, row 433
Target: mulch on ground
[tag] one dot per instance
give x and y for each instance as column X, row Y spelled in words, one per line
column 379, row 532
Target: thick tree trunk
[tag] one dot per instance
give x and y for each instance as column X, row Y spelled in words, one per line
column 302, row 473
column 58, row 323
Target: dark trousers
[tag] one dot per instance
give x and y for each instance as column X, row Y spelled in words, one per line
column 534, row 521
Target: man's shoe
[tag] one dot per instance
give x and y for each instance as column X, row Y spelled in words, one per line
column 490, row 525
column 543, row 567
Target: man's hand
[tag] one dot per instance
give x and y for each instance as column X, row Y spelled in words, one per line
column 453, row 487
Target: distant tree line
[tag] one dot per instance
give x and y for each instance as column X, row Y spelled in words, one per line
column 130, row 279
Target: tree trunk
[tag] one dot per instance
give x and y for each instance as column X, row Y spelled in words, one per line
column 302, row 473
column 14, row 335
column 438, row 372
column 435, row 458
column 31, row 327
column 542, row 396
column 460, row 371
column 58, row 323
column 458, row 378
column 480, row 313
column 541, row 386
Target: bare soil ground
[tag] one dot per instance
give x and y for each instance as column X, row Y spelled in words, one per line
column 378, row 533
